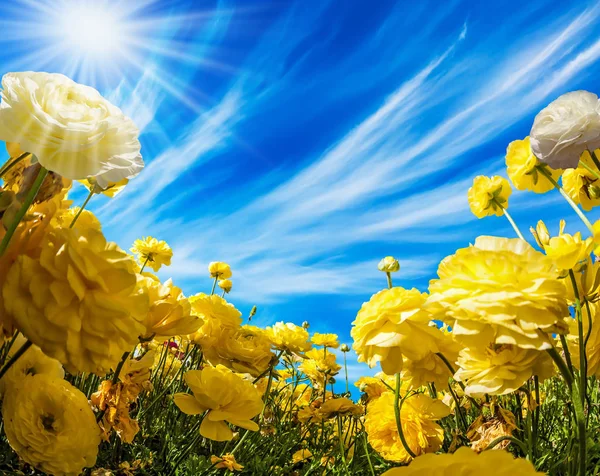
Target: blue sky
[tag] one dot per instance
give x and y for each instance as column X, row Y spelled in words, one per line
column 302, row 140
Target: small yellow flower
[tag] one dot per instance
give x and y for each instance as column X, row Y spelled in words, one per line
column 219, row 270
column 582, row 185
column 227, row 461
column 568, row 250
column 524, row 168
column 340, row 406
column 289, row 337
column 86, row 219
column 541, row 234
column 319, row 365
column 375, row 386
column 50, row 425
column 489, row 196
column 225, row 396
column 152, row 252
column 466, row 461
column 110, row 190
column 225, row 285
column 301, row 456
column 326, row 340
column 389, row 264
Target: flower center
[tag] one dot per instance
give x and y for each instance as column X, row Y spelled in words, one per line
column 48, row 422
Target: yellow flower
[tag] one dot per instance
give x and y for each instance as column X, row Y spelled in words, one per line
column 227, row 398
column 500, row 290
column 225, row 285
column 418, row 414
column 219, row 270
column 524, row 168
column 318, row 365
column 246, row 349
column 327, row 340
column 301, row 456
column 86, row 220
column 289, row 337
column 592, row 349
column 227, row 461
column 50, row 425
column 391, row 325
column 152, row 252
column 500, row 369
column 582, row 185
column 217, row 315
column 466, row 461
column 70, row 128
column 568, row 250
column 32, row 362
column 389, row 264
column 489, row 196
column 170, row 311
column 541, row 234
column 78, row 300
column 484, row 430
column 340, row 406
column 109, row 189
column 374, row 387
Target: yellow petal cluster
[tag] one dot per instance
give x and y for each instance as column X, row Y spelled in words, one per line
column 219, row 270
column 464, row 461
column 581, row 184
column 216, row 314
column 289, row 337
column 225, row 397
column 524, row 168
column 373, row 387
column 391, row 325
column 320, row 365
column 500, row 290
column 326, row 340
column 500, row 369
column 489, row 196
column 151, row 252
column 419, row 414
column 50, row 425
column 389, row 264
column 568, row 250
column 79, row 300
column 227, row 461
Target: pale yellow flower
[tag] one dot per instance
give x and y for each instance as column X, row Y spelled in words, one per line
column 110, row 189
column 327, row 340
column 71, row 128
column 289, row 337
column 225, row 285
column 217, row 315
column 582, row 185
column 389, row 264
column 568, row 250
column 373, row 387
column 489, row 196
column 219, row 270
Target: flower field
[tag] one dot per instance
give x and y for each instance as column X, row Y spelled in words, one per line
column 107, row 370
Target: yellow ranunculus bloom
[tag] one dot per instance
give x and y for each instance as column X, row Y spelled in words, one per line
column 225, row 285
column 392, row 324
column 50, row 425
column 373, row 387
column 568, row 250
column 389, row 264
column 500, row 369
column 110, row 189
column 227, row 461
column 340, row 406
column 319, row 364
column 78, row 300
column 170, row 312
column 500, row 290
column 419, row 414
column 489, row 196
column 587, row 277
column 32, row 362
column 466, row 461
column 582, row 185
column 289, row 337
column 225, row 396
column 152, row 252
column 327, row 340
column 301, row 456
column 524, row 168
column 217, row 314
column 219, row 270
column 86, row 220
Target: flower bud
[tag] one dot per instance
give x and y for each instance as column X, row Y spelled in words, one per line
column 541, row 235
column 225, row 285
column 594, row 191
column 389, row 264
column 345, row 348
column 305, row 325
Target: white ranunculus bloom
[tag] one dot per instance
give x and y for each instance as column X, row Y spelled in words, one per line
column 565, row 128
column 71, row 128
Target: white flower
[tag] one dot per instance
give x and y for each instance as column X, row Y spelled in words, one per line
column 70, row 128
column 565, row 128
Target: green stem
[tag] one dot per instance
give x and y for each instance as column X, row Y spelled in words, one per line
column 569, row 200
column 346, row 372
column 512, row 439
column 214, row 286
column 536, row 416
column 145, row 263
column 514, row 225
column 562, row 367
column 89, row 197
column 389, row 280
column 565, row 345
column 15, row 357
column 594, row 158
column 341, row 438
column 366, row 444
column 33, row 191
column 589, row 169
column 397, row 408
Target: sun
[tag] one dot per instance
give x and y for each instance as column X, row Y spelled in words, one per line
column 91, row 29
